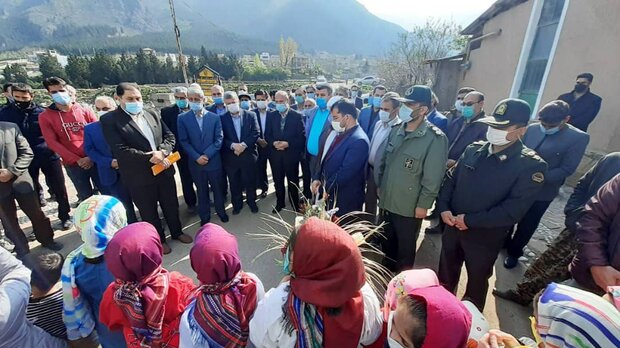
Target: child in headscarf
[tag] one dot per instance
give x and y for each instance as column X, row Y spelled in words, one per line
column 145, row 300
column 225, row 301
column 567, row 317
column 325, row 301
column 84, row 273
column 420, row 313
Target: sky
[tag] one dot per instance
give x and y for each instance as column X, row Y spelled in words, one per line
column 408, row 13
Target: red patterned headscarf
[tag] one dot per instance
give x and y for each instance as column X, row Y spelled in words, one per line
column 134, row 257
column 327, row 275
column 226, row 299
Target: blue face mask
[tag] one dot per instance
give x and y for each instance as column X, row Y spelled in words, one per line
column 62, row 98
column 376, row 102
column 245, row 104
column 218, row 100
column 195, row 106
column 299, row 99
column 310, row 95
column 353, row 94
column 134, row 107
column 281, row 107
column 549, row 131
column 271, row 105
column 468, row 111
column 182, row 103
column 370, row 98
column 321, row 103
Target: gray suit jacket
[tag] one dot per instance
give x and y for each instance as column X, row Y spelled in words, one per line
column 15, row 155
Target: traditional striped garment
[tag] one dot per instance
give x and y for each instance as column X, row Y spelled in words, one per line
column 46, row 313
column 569, row 317
column 96, row 219
column 306, row 321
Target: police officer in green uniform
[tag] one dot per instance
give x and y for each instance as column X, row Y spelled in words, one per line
column 410, row 175
column 490, row 188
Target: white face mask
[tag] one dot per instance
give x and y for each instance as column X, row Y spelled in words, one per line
column 458, row 105
column 392, row 342
column 497, row 136
column 338, row 127
column 233, row 108
column 384, row 116
column 261, row 104
column 101, row 113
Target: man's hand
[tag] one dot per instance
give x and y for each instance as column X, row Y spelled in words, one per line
column 262, row 142
column 460, row 222
column 114, row 164
column 166, row 162
column 420, row 213
column 448, row 218
column 202, row 160
column 156, row 157
column 314, row 187
column 238, row 148
column 85, row 163
column 496, row 338
column 5, row 175
column 604, row 276
column 283, row 145
column 450, row 163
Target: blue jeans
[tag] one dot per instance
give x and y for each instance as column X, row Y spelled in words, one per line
column 81, row 179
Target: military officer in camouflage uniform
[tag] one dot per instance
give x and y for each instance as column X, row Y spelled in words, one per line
column 490, row 188
column 409, row 176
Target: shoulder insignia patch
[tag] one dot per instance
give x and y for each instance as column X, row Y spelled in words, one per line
column 538, row 177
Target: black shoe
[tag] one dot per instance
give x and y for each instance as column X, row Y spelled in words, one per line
column 31, row 237
column 191, row 209
column 263, row 194
column 512, row 296
column 236, row 211
column 204, row 222
column 53, row 246
column 43, row 201
column 433, row 230
column 277, row 210
column 511, row 262
column 223, row 218
column 254, row 209
column 66, row 224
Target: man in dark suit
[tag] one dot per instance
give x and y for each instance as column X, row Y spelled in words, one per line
column 584, row 105
column 98, row 150
column 286, row 139
column 200, row 134
column 261, row 111
column 370, row 114
column 343, row 161
column 218, row 107
column 356, row 97
column 139, row 139
column 16, row 184
column 239, row 153
column 169, row 115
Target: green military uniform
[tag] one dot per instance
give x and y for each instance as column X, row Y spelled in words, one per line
column 410, row 176
column 493, row 190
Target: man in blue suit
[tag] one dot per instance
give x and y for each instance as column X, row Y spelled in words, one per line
column 370, row 114
column 318, row 126
column 218, row 107
column 343, row 161
column 286, row 139
column 200, row 135
column 435, row 117
column 99, row 151
column 239, row 153
column 562, row 146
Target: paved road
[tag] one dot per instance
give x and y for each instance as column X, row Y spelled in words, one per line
column 501, row 314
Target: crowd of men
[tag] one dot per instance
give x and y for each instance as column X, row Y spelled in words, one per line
column 489, row 176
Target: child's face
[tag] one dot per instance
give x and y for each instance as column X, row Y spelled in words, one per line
column 402, row 326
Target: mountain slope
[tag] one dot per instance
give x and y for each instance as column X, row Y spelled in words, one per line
column 242, row 26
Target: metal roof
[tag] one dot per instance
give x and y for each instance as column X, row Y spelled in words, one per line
column 498, row 7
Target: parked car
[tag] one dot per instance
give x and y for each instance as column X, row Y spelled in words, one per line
column 321, row 79
column 369, row 80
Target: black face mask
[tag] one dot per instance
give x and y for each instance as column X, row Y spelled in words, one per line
column 23, row 104
column 579, row 88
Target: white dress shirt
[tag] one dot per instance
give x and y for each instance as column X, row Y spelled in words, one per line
column 263, row 121
column 145, row 129
column 382, row 130
column 199, row 117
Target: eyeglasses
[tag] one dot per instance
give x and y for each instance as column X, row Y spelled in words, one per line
column 470, row 103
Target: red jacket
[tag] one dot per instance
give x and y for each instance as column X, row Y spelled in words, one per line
column 179, row 292
column 64, row 131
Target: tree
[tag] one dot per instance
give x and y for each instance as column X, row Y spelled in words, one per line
column 15, row 73
column 192, row 65
column 405, row 64
column 126, row 68
column 103, row 70
column 288, row 49
column 77, row 71
column 49, row 66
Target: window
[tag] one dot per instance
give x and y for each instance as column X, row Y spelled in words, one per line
column 540, row 52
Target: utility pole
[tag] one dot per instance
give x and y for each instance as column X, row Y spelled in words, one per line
column 177, row 34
